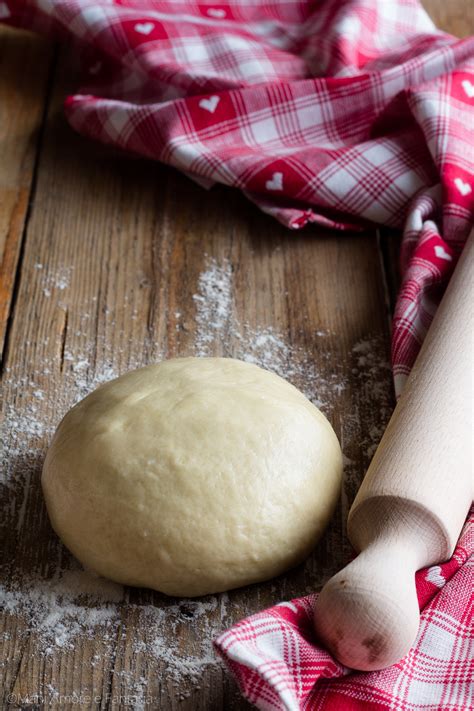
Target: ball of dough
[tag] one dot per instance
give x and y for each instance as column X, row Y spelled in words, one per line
column 192, row 476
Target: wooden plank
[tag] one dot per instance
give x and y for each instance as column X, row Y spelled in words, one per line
column 116, row 252
column 126, row 262
column 25, row 65
column 455, row 16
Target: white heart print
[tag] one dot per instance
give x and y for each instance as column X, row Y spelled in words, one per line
column 441, row 253
column 210, row 104
column 276, row 183
column 464, row 188
column 434, row 576
column 468, row 88
column 144, row 28
column 216, row 12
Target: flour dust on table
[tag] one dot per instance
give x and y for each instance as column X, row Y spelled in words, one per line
column 264, row 346
column 60, row 603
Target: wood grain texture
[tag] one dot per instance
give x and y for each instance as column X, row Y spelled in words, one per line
column 114, row 252
column 453, row 16
column 25, row 64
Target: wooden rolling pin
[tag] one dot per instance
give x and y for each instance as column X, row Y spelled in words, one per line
column 411, row 506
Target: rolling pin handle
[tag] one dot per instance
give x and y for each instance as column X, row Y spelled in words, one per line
column 369, row 611
column 415, row 496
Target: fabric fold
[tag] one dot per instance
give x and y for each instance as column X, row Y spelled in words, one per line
column 342, row 113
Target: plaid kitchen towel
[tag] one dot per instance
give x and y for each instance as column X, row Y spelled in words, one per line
column 338, row 112
column 279, row 666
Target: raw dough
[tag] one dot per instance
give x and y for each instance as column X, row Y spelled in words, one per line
column 192, row 476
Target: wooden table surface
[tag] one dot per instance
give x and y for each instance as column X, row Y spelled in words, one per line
column 109, row 263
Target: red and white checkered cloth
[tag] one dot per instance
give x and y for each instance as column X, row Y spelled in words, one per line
column 339, row 112
column 277, row 661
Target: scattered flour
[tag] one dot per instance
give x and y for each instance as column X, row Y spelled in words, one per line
column 60, row 279
column 265, row 346
column 209, row 615
column 73, row 602
column 214, row 304
column 70, row 603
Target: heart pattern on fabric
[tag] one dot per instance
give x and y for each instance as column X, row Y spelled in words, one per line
column 276, row 183
column 441, row 253
column 144, row 28
column 435, row 576
column 216, row 12
column 468, row 88
column 464, row 188
column 210, row 104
